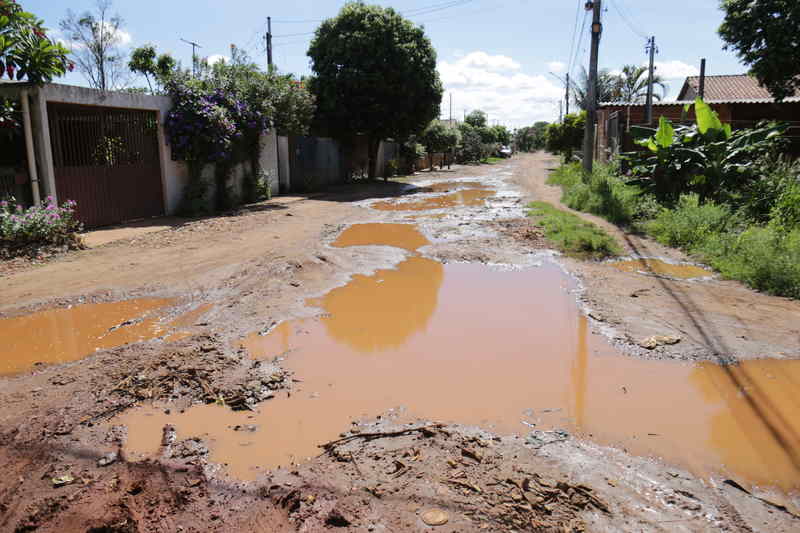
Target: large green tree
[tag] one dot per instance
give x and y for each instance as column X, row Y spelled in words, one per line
column 26, row 52
column 374, row 75
column 764, row 34
column 531, row 138
column 566, row 137
column 476, row 119
column 438, row 138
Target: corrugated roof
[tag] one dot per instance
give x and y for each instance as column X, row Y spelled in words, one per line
column 790, row 100
column 731, row 88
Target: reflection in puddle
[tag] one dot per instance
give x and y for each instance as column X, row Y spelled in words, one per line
column 404, row 236
column 465, row 343
column 467, row 197
column 662, row 268
column 63, row 335
column 187, row 320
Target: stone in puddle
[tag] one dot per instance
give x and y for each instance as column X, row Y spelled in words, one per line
column 434, row 517
column 658, row 340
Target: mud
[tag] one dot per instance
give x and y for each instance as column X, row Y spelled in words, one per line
column 309, row 380
column 386, row 343
column 464, row 198
column 68, row 334
column 404, row 236
column 657, row 267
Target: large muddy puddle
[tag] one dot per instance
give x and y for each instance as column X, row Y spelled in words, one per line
column 460, row 198
column 69, row 334
column 662, row 268
column 403, row 236
column 507, row 350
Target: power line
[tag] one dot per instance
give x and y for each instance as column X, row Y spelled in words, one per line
column 580, row 41
column 294, row 34
column 627, row 21
column 574, row 35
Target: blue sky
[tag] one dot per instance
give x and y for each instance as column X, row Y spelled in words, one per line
column 493, row 54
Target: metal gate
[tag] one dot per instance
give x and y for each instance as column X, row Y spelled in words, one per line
column 107, row 160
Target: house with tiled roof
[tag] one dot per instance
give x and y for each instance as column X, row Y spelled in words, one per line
column 738, row 99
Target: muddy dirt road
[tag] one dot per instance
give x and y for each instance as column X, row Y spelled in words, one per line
column 402, row 356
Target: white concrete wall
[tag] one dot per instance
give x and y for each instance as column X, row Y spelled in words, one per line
column 174, row 174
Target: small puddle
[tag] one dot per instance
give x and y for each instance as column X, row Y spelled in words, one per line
column 186, row 320
column 662, row 268
column 63, row 335
column 466, row 197
column 405, row 236
column 507, row 350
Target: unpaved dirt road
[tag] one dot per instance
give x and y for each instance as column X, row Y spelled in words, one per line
column 68, row 459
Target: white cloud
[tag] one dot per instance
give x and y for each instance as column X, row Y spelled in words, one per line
column 556, row 67
column 216, row 58
column 673, row 70
column 482, row 60
column 499, row 86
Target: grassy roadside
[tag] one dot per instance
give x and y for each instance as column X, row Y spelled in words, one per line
column 764, row 254
column 571, row 234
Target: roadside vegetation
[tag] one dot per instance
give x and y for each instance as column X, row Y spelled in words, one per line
column 726, row 197
column 571, row 234
column 24, row 231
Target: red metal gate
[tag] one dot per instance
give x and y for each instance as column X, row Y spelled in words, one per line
column 107, row 160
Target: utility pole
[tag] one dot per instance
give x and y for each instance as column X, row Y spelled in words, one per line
column 451, row 109
column 269, row 44
column 566, row 98
column 195, row 46
column 703, row 79
column 560, row 111
column 591, row 91
column 651, row 48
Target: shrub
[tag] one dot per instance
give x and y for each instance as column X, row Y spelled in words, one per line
column 604, row 194
column 785, row 214
column 566, row 137
column 690, row 222
column 760, row 196
column 571, row 234
column 46, row 224
column 762, row 257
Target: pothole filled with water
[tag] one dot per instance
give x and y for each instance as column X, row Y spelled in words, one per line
column 462, row 198
column 68, row 334
column 403, row 236
column 658, row 267
column 504, row 349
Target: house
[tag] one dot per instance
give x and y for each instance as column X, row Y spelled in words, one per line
column 738, row 99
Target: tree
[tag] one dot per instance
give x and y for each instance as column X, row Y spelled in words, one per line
column 375, row 75
column 471, row 148
column 608, row 88
column 96, row 40
column 438, row 138
column 531, row 138
column 476, row 119
column 501, row 134
column 564, row 138
column 145, row 61
column 764, row 36
column 26, row 52
column 633, row 84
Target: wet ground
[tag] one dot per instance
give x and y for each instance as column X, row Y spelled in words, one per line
column 414, row 309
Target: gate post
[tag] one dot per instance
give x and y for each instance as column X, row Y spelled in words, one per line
column 44, row 156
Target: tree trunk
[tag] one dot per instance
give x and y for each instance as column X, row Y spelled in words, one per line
column 430, row 160
column 372, row 157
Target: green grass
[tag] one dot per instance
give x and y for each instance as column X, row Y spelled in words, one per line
column 493, row 160
column 605, row 194
column 571, row 234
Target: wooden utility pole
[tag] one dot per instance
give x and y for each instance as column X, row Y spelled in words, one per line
column 651, row 48
column 451, row 109
column 560, row 112
column 566, row 98
column 591, row 91
column 269, row 44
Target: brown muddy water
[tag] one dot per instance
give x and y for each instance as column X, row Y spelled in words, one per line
column 662, row 268
column 69, row 334
column 463, row 198
column 507, row 350
column 403, row 236
column 447, row 186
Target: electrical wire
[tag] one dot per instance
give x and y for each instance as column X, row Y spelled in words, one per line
column 580, row 41
column 627, row 21
column 574, row 35
column 293, row 34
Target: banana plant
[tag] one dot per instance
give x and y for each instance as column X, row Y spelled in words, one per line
column 707, row 158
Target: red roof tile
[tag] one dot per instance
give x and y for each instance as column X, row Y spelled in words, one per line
column 729, row 87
